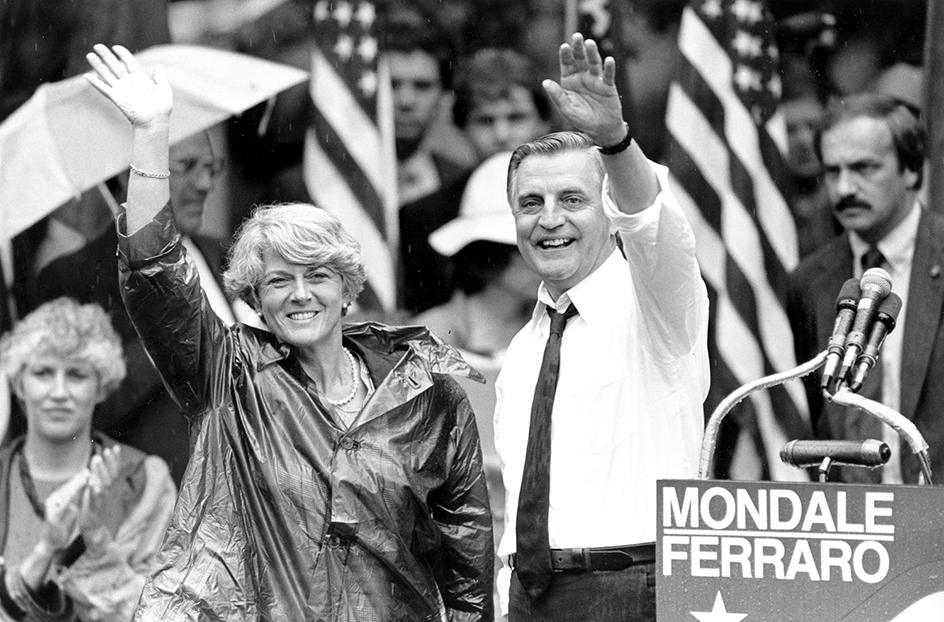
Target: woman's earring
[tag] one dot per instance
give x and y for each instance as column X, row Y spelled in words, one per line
column 345, row 308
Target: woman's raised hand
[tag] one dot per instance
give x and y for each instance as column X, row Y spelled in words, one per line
column 144, row 99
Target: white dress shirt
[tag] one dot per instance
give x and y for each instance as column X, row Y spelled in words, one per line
column 634, row 375
column 898, row 248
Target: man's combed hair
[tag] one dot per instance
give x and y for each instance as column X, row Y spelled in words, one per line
column 301, row 234
column 549, row 144
column 65, row 329
column 908, row 134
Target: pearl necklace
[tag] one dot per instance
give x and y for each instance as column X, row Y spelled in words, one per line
column 355, row 373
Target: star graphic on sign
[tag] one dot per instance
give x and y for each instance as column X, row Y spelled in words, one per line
column 718, row 613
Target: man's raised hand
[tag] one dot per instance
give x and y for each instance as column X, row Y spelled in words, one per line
column 586, row 96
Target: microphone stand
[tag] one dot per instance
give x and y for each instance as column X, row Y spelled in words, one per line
column 843, row 396
column 710, row 440
column 901, row 424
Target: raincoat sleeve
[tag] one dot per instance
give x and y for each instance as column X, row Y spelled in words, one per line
column 461, row 511
column 162, row 293
column 106, row 581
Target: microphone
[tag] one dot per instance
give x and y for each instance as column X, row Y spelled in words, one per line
column 884, row 324
column 875, row 284
column 868, row 453
column 845, row 314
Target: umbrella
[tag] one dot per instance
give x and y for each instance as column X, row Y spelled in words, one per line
column 67, row 137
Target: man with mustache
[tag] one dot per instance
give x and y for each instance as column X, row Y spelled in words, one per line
column 873, row 148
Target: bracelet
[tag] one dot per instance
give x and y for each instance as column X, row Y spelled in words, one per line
column 141, row 173
column 620, row 146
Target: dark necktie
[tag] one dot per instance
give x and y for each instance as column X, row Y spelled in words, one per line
column 873, row 258
column 533, row 555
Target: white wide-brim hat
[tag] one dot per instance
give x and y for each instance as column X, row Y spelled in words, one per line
column 484, row 213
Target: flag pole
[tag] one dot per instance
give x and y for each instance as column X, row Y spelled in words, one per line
column 934, row 99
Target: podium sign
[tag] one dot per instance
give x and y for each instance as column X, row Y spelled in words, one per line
column 781, row 552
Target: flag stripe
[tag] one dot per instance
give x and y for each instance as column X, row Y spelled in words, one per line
column 364, row 192
column 712, row 62
column 725, row 154
column 716, row 266
column 349, row 163
column 746, row 249
column 355, row 130
column 711, row 109
column 335, row 195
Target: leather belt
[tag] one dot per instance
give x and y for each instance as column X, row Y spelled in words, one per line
column 606, row 558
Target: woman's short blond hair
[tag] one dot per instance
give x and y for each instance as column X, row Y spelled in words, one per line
column 66, row 329
column 301, row 234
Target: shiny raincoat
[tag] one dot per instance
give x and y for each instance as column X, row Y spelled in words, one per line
column 284, row 515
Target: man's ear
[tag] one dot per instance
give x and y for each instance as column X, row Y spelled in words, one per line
column 912, row 178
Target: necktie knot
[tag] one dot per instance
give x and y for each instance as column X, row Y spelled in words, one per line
column 559, row 320
column 873, row 258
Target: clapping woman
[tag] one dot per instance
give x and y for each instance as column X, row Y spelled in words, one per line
column 81, row 516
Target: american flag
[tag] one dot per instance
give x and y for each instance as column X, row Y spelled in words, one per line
column 350, row 163
column 726, row 145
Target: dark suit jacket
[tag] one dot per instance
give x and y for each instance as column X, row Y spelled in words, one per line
column 140, row 412
column 811, row 302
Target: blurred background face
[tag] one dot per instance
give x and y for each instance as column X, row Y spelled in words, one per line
column 193, row 168
column 803, row 116
column 869, row 190
column 59, row 397
column 505, row 123
column 417, row 90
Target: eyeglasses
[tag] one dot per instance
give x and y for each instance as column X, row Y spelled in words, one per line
column 190, row 166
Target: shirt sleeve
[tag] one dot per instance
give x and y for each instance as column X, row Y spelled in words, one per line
column 659, row 245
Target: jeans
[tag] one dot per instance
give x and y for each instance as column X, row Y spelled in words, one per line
column 627, row 595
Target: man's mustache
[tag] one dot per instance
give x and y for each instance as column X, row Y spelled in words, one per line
column 846, row 203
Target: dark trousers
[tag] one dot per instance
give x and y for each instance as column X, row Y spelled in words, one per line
column 627, row 595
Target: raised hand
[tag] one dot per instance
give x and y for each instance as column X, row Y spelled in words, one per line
column 103, row 471
column 586, row 95
column 145, row 100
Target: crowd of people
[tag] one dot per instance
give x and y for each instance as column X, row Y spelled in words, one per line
column 490, row 449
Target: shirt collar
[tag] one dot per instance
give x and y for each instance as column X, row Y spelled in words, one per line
column 591, row 296
column 896, row 247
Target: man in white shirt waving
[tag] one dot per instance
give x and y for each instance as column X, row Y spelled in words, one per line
column 580, row 460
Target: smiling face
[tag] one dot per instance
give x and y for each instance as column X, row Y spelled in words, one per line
column 563, row 233
column 869, row 189
column 59, row 396
column 301, row 304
